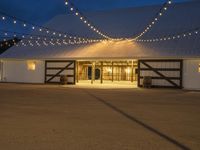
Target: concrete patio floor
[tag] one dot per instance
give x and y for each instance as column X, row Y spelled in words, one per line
column 45, row 117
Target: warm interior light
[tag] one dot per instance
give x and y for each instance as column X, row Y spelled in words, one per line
column 199, row 68
column 127, row 70
column 109, row 70
column 31, row 65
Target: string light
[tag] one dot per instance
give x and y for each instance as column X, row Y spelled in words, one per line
column 45, row 40
column 155, row 19
column 33, row 26
column 59, row 42
column 85, row 20
column 185, row 34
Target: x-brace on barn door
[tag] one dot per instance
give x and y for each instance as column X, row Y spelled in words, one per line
column 164, row 73
column 54, row 69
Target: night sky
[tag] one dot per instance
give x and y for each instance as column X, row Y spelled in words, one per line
column 40, row 11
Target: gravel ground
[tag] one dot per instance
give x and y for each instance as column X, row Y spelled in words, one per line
column 44, row 117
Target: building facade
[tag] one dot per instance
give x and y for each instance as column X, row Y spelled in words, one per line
column 170, row 63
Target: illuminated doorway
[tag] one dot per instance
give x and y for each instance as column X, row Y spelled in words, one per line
column 107, row 71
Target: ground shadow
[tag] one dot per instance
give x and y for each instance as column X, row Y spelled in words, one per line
column 132, row 118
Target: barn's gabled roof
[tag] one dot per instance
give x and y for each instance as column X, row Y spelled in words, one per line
column 123, row 23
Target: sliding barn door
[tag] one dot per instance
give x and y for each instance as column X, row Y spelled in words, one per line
column 164, row 73
column 54, row 69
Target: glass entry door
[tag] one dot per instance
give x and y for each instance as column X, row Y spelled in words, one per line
column 97, row 73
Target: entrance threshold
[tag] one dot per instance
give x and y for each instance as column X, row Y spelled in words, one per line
column 105, row 85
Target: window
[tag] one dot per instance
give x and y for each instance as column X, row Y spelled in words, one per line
column 31, row 65
column 199, row 68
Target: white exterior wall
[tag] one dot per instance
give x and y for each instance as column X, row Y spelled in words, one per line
column 1, row 70
column 191, row 75
column 17, row 71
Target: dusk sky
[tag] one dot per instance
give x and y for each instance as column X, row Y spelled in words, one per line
column 40, row 11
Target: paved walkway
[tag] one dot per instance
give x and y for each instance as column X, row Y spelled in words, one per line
column 41, row 117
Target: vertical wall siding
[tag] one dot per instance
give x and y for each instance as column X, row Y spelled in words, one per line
column 17, row 71
column 191, row 76
column 1, row 70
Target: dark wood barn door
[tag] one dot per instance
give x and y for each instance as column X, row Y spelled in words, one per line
column 54, row 69
column 164, row 73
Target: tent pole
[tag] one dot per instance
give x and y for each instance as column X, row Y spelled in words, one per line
column 112, row 72
column 101, row 72
column 132, row 71
column 77, row 71
column 93, row 72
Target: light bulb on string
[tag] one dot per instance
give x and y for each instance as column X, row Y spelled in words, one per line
column 84, row 19
column 159, row 14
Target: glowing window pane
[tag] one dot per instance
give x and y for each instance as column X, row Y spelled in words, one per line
column 31, row 65
column 199, row 67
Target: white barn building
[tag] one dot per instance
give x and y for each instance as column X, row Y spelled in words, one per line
column 170, row 63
